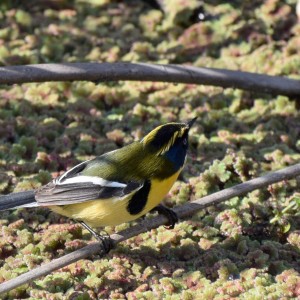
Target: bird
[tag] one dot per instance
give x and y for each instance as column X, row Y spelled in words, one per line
column 118, row 186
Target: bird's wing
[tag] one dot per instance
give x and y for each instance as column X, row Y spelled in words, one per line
column 73, row 187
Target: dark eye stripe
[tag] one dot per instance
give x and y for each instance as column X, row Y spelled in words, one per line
column 163, row 135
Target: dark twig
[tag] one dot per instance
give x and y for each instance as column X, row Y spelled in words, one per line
column 182, row 211
column 102, row 72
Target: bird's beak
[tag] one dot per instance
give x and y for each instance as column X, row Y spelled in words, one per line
column 191, row 122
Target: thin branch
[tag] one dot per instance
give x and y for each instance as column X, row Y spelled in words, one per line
column 182, row 211
column 102, row 72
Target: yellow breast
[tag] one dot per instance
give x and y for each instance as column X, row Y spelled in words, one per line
column 110, row 212
column 159, row 189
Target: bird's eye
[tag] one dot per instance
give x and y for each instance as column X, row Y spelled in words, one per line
column 184, row 141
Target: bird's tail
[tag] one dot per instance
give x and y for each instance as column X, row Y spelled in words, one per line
column 16, row 200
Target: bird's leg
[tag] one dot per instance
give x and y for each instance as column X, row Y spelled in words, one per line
column 168, row 213
column 105, row 240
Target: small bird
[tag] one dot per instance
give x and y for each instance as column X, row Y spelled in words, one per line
column 118, row 186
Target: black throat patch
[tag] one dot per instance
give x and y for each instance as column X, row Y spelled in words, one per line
column 138, row 201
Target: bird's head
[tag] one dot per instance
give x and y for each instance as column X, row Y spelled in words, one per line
column 169, row 140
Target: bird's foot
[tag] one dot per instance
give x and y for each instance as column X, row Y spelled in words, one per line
column 168, row 213
column 105, row 240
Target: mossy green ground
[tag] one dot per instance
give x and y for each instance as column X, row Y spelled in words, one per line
column 245, row 248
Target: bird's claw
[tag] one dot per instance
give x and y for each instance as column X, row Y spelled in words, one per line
column 168, row 213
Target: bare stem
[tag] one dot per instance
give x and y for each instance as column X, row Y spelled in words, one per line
column 102, row 72
column 185, row 210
